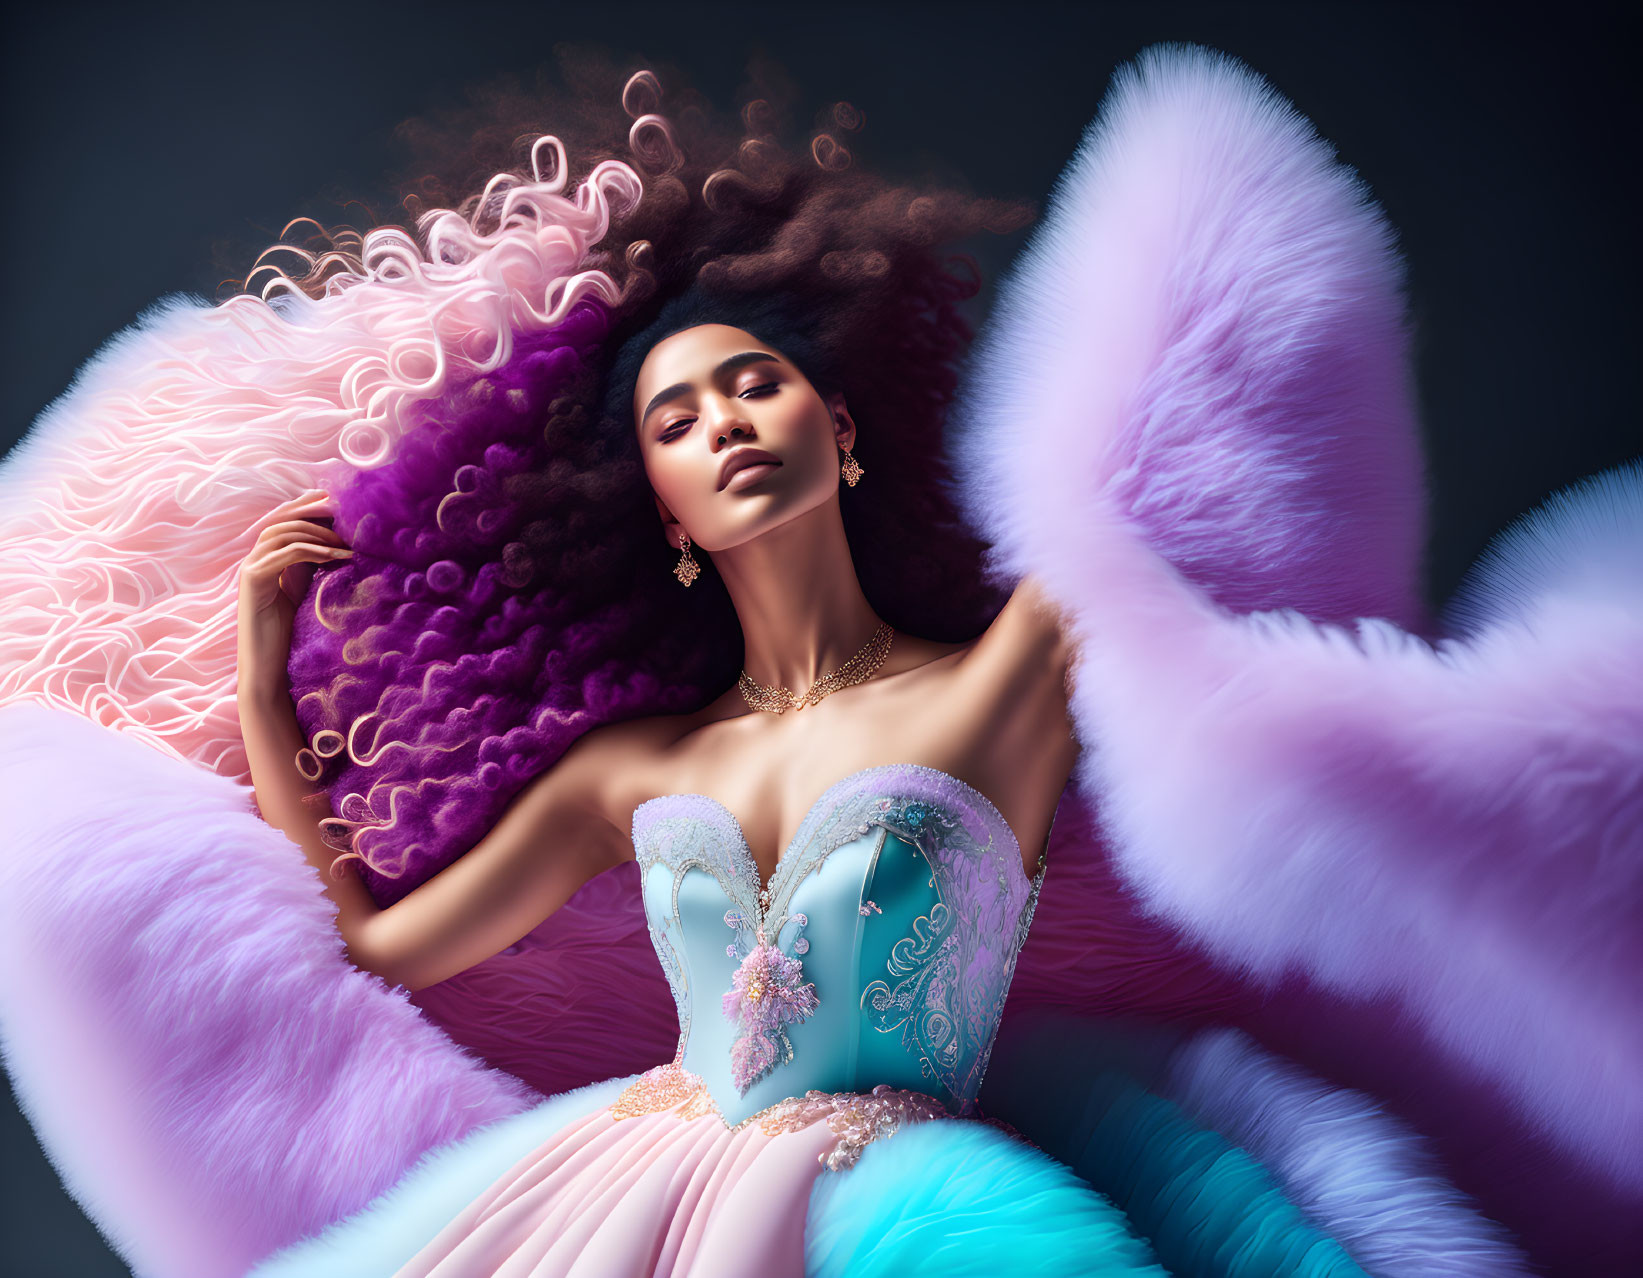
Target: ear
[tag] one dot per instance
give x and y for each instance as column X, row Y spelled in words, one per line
column 844, row 425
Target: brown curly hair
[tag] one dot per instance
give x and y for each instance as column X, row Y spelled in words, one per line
column 545, row 541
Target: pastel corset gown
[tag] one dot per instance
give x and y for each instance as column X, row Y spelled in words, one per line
column 860, row 990
column 879, row 954
column 820, row 1115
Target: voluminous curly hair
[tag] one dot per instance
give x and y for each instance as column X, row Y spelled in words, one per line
column 511, row 588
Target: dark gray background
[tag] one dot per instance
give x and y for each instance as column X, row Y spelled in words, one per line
column 155, row 149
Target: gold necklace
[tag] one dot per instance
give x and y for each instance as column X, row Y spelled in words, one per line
column 778, row 700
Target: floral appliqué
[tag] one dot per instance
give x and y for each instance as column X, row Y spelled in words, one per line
column 766, row 996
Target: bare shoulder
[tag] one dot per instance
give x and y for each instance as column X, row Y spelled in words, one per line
column 1031, row 628
column 613, row 767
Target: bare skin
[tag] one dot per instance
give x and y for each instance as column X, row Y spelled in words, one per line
column 992, row 712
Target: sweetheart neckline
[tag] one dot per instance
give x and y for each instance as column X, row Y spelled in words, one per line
column 804, row 822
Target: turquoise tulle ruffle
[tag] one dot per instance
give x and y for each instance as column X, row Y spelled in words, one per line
column 1145, row 1191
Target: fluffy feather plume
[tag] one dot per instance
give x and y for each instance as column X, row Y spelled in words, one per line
column 210, row 1075
column 1192, row 419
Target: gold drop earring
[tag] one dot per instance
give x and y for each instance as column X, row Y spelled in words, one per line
column 687, row 569
column 851, row 470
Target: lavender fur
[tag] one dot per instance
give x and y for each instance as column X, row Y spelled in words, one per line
column 211, row 1076
column 1208, row 327
column 1454, row 828
column 1227, row 426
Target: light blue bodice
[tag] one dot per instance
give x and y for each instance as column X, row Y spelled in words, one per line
column 893, row 924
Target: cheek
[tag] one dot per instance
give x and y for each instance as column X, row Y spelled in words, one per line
column 662, row 472
column 680, row 475
column 805, row 423
column 825, row 442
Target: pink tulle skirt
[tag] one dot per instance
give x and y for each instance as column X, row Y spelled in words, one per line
column 671, row 1193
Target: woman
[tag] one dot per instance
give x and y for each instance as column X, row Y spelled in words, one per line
column 717, row 1173
column 500, row 640
column 992, row 709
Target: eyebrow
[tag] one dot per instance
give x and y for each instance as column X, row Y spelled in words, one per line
column 724, row 367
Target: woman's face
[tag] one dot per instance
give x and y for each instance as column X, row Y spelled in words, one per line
column 715, row 394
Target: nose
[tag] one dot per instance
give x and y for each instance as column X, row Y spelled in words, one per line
column 728, row 424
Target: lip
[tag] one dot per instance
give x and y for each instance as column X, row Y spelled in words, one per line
column 742, row 458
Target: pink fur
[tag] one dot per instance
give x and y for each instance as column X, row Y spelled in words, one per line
column 128, row 507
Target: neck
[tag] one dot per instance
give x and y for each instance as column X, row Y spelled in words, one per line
column 796, row 595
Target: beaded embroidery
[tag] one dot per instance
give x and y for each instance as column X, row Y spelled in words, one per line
column 669, row 1086
column 856, row 1118
column 765, row 995
column 946, row 979
column 947, row 1021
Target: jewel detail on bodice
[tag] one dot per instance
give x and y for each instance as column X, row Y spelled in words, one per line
column 765, row 995
column 855, row 1118
column 945, row 980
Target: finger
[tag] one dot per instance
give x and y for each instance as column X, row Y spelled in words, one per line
column 304, row 499
column 313, row 499
column 301, row 529
column 303, row 551
column 300, row 552
column 299, row 577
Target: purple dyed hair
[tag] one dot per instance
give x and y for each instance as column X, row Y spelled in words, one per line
column 511, row 588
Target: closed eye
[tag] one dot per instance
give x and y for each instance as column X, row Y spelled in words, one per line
column 677, row 428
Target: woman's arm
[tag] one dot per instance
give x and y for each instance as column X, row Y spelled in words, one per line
column 552, row 839
column 290, row 802
column 292, row 540
column 1031, row 629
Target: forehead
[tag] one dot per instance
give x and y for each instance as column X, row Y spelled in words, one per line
column 689, row 356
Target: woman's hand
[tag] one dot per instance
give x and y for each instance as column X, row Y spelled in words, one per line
column 293, row 540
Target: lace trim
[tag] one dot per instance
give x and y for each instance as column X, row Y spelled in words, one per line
column 784, row 878
column 947, row 1026
column 1023, row 926
column 700, row 835
column 948, row 1020
column 819, row 836
column 856, row 1119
